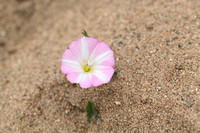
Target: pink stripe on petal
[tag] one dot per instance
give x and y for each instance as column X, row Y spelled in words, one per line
column 87, row 46
column 87, row 82
column 83, row 47
column 91, row 44
column 69, row 69
column 103, row 53
column 75, row 48
column 109, row 61
column 103, row 73
column 101, row 48
column 72, row 77
column 96, row 81
column 76, row 77
column 68, row 55
column 69, row 63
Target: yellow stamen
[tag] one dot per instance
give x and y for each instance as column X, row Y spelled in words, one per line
column 87, row 68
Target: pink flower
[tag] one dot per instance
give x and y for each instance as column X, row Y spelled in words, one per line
column 88, row 62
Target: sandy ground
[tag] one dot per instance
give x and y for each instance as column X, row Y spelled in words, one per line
column 157, row 51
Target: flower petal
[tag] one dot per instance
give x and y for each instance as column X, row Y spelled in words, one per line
column 69, row 63
column 75, row 48
column 76, row 77
column 102, row 54
column 90, row 43
column 83, row 47
column 65, row 69
column 87, row 82
column 96, row 81
column 102, row 74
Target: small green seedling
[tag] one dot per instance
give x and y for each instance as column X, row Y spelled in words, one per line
column 74, row 85
column 114, row 74
column 85, row 33
column 91, row 112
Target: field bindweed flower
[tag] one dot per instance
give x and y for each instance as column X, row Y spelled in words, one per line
column 88, row 62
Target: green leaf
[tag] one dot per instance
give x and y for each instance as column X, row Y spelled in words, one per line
column 74, row 85
column 114, row 74
column 91, row 112
column 85, row 33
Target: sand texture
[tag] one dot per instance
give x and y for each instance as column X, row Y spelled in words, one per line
column 156, row 45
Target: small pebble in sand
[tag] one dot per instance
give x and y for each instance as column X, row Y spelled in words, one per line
column 45, row 71
column 67, row 111
column 66, row 85
column 117, row 103
column 3, row 33
column 120, row 42
column 189, row 104
column 180, row 45
column 153, row 51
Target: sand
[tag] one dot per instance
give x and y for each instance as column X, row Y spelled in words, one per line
column 156, row 44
